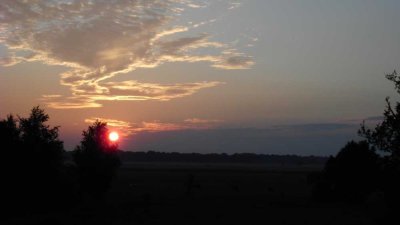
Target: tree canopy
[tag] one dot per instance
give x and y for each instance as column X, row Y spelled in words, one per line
column 97, row 160
column 386, row 135
column 31, row 160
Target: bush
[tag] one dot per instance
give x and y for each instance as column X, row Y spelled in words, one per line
column 351, row 175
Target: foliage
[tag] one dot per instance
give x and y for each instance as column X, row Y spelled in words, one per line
column 31, row 161
column 353, row 173
column 43, row 148
column 386, row 137
column 11, row 143
column 9, row 132
column 358, row 170
column 97, row 160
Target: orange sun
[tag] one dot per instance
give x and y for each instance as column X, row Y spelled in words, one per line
column 113, row 136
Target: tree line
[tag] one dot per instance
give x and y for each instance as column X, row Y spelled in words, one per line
column 153, row 156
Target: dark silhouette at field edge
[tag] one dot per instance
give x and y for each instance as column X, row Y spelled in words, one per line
column 96, row 159
column 351, row 175
column 35, row 176
column 153, row 156
column 31, row 163
column 369, row 166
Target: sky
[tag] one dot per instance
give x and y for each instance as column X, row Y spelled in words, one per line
column 271, row 77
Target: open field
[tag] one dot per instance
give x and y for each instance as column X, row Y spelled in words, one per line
column 151, row 193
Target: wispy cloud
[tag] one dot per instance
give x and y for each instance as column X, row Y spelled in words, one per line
column 234, row 5
column 369, row 120
column 124, row 128
column 99, row 40
column 90, row 97
column 202, row 121
column 128, row 128
column 9, row 61
column 375, row 118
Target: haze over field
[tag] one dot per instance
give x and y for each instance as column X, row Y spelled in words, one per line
column 279, row 76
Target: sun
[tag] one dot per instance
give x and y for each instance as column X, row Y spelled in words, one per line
column 113, row 136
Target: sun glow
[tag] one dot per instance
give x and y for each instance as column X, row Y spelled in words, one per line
column 113, row 136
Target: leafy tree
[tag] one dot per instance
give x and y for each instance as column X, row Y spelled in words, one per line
column 97, row 160
column 11, row 142
column 9, row 133
column 10, row 139
column 31, row 161
column 42, row 147
column 386, row 137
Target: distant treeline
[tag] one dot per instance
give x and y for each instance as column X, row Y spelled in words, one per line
column 152, row 156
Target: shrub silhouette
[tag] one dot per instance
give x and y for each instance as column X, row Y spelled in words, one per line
column 97, row 160
column 353, row 173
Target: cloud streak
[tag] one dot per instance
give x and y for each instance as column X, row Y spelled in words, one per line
column 99, row 40
column 128, row 128
column 91, row 97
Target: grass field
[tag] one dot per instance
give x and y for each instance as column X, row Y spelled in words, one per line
column 169, row 193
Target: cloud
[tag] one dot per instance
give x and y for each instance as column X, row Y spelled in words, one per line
column 232, row 59
column 234, row 5
column 128, row 128
column 202, row 121
column 124, row 127
column 132, row 90
column 8, row 61
column 91, row 96
column 375, row 118
column 235, row 62
column 193, row 5
column 99, row 40
column 320, row 126
column 75, row 102
column 369, row 120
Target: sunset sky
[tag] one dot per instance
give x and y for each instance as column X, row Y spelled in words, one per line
column 262, row 76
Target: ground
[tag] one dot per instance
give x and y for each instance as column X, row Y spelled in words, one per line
column 169, row 193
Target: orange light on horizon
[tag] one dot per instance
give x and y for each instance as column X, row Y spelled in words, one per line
column 113, row 136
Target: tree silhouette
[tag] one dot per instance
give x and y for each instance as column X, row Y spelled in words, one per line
column 43, row 148
column 358, row 170
column 31, row 162
column 386, row 137
column 354, row 172
column 9, row 173
column 11, row 142
column 97, row 160
column 9, row 133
